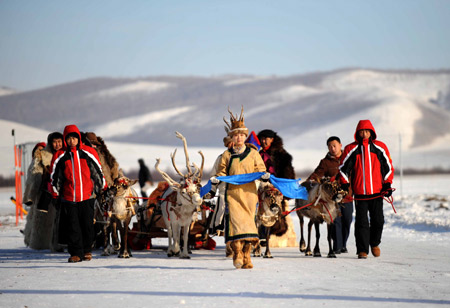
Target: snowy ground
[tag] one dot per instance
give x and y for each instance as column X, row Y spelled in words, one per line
column 413, row 270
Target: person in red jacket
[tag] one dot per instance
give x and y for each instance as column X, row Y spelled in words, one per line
column 368, row 162
column 76, row 177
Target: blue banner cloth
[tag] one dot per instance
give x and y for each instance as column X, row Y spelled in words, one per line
column 288, row 187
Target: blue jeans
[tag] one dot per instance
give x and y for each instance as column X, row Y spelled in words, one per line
column 341, row 227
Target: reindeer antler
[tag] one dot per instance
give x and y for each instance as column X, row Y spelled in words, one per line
column 165, row 175
column 172, row 157
column 180, row 136
column 201, row 166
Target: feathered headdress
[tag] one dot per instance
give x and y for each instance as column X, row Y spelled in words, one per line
column 237, row 125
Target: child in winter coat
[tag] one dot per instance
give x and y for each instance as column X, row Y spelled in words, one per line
column 76, row 177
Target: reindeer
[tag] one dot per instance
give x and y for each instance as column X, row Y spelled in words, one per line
column 181, row 202
column 320, row 207
column 102, row 219
column 121, row 210
column 270, row 215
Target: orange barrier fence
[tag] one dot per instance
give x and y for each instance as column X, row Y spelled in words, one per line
column 18, row 175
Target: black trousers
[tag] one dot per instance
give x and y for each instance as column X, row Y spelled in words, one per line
column 368, row 232
column 80, row 226
column 341, row 227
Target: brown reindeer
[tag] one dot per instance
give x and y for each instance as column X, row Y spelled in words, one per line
column 181, row 202
column 322, row 208
column 121, row 211
column 103, row 220
column 270, row 215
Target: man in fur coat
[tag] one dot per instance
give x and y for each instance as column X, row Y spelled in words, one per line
column 38, row 230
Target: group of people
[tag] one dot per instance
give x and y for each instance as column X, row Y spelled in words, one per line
column 364, row 169
column 65, row 179
column 73, row 169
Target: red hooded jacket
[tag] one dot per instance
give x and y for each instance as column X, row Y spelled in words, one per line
column 76, row 172
column 367, row 162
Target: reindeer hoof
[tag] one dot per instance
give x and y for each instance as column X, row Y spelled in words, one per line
column 308, row 253
column 268, row 256
column 185, row 257
column 124, row 256
column 331, row 255
column 302, row 246
column 317, row 254
column 173, row 254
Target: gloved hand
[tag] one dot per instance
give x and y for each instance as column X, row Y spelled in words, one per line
column 209, row 195
column 338, row 198
column 265, row 177
column 387, row 190
column 214, row 180
column 345, row 186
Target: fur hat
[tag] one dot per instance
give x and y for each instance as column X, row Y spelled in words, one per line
column 226, row 141
column 266, row 133
column 237, row 125
column 92, row 138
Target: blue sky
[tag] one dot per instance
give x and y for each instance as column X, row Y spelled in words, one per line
column 44, row 43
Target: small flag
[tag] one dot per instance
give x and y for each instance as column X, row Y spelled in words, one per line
column 253, row 139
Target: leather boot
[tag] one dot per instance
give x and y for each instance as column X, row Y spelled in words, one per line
column 247, row 259
column 238, row 256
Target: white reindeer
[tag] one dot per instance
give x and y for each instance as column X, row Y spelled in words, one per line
column 181, row 202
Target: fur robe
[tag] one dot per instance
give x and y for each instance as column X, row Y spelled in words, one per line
column 110, row 167
column 281, row 159
column 38, row 230
column 241, row 199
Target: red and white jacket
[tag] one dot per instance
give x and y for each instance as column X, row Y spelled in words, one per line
column 76, row 172
column 367, row 162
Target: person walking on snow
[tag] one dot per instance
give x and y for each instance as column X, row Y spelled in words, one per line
column 368, row 162
column 77, row 178
column 145, row 178
column 241, row 229
column 329, row 167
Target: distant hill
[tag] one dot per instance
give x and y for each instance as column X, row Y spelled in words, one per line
column 7, row 91
column 409, row 109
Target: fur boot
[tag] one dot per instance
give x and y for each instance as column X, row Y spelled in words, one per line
column 247, row 259
column 228, row 250
column 238, row 256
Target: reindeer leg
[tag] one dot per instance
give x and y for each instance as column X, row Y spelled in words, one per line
column 267, row 254
column 331, row 253
column 105, row 240
column 185, row 253
column 176, row 230
column 170, row 249
column 126, row 248
column 301, row 244
column 115, row 238
column 122, row 235
column 317, row 248
column 308, row 248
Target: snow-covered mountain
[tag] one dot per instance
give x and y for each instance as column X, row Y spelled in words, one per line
column 409, row 109
column 7, row 91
